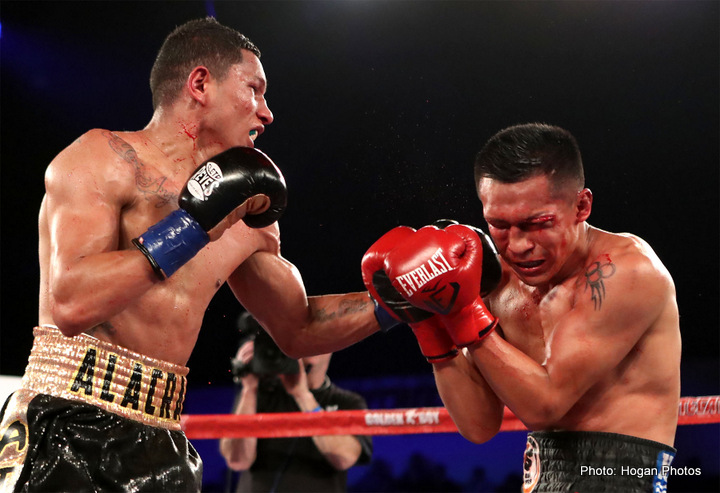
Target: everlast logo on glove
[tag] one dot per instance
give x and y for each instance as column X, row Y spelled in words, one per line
column 206, row 179
column 429, row 270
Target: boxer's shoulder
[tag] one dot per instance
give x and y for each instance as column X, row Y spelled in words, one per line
column 95, row 162
column 618, row 244
column 95, row 141
column 96, row 151
column 629, row 253
column 124, row 166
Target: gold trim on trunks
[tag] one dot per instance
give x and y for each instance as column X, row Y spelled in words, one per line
column 110, row 377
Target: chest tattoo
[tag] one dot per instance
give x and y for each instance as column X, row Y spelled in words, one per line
column 149, row 186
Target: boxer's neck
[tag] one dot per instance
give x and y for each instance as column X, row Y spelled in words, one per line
column 177, row 137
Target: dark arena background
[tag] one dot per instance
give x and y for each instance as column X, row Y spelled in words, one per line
column 380, row 107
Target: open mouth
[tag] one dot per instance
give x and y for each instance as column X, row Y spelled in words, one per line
column 529, row 266
column 253, row 135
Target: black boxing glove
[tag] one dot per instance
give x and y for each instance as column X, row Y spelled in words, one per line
column 491, row 268
column 213, row 195
column 226, row 181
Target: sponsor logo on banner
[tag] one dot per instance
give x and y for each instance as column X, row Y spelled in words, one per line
column 401, row 418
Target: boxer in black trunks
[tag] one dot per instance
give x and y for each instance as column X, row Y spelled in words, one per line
column 138, row 230
column 114, row 414
column 580, row 338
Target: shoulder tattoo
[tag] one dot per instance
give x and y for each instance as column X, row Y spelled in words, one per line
column 147, row 184
column 595, row 275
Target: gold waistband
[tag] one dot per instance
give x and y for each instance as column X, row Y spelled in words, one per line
column 111, row 377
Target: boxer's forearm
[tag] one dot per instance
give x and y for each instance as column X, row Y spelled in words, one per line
column 471, row 403
column 520, row 382
column 271, row 288
column 335, row 322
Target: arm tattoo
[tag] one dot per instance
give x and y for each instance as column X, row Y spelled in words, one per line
column 594, row 276
column 346, row 307
column 146, row 184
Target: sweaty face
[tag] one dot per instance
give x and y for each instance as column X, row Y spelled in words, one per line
column 240, row 111
column 535, row 230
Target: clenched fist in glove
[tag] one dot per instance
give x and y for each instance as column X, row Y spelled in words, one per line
column 239, row 183
column 440, row 270
column 392, row 309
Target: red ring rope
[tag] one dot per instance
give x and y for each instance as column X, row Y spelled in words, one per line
column 691, row 411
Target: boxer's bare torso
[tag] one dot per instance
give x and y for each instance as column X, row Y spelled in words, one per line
column 108, row 188
column 104, row 190
column 589, row 336
column 634, row 388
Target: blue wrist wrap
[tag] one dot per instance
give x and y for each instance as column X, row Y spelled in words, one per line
column 385, row 320
column 171, row 242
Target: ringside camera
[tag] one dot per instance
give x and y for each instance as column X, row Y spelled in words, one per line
column 268, row 359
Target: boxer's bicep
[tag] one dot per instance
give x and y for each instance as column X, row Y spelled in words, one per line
column 82, row 211
column 77, row 230
column 79, row 225
column 83, row 206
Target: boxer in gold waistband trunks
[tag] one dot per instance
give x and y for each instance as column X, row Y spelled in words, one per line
column 138, row 230
column 111, row 411
column 579, row 337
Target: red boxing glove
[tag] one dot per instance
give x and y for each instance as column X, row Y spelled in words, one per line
column 377, row 283
column 434, row 341
column 392, row 309
column 440, row 271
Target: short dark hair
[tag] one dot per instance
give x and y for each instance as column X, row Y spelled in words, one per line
column 524, row 151
column 197, row 42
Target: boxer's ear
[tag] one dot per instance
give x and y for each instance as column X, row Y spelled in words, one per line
column 197, row 83
column 583, row 204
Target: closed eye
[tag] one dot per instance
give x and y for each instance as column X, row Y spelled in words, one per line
column 500, row 225
column 538, row 223
column 534, row 224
